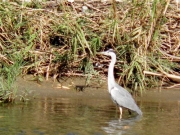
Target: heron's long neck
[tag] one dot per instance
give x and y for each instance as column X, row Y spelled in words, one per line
column 111, row 79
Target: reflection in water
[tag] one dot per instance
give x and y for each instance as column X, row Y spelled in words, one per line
column 119, row 127
column 78, row 116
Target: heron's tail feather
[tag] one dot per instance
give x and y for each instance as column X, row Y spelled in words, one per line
column 139, row 111
column 133, row 106
column 136, row 109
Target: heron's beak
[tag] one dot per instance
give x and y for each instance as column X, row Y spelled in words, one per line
column 98, row 52
column 103, row 53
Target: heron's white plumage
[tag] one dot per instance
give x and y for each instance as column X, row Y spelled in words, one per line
column 118, row 94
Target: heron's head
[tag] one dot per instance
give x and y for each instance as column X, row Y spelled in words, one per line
column 109, row 52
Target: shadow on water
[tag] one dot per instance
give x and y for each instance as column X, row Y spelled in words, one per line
column 120, row 127
column 81, row 115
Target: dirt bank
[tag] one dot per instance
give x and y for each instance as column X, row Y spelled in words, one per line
column 67, row 88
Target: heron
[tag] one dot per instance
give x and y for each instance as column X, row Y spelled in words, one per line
column 119, row 95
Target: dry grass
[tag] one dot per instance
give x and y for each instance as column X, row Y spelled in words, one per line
column 58, row 39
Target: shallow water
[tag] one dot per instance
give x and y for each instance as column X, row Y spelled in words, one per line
column 67, row 112
column 88, row 116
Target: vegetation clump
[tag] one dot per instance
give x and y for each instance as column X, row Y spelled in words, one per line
column 52, row 39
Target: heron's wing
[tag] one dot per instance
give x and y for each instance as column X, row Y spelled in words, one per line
column 122, row 91
column 123, row 98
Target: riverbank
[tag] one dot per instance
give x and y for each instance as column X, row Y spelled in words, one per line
column 67, row 90
column 53, row 40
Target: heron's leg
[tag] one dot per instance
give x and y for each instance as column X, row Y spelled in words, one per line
column 129, row 112
column 120, row 109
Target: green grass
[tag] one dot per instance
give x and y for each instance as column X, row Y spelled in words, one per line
column 136, row 30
